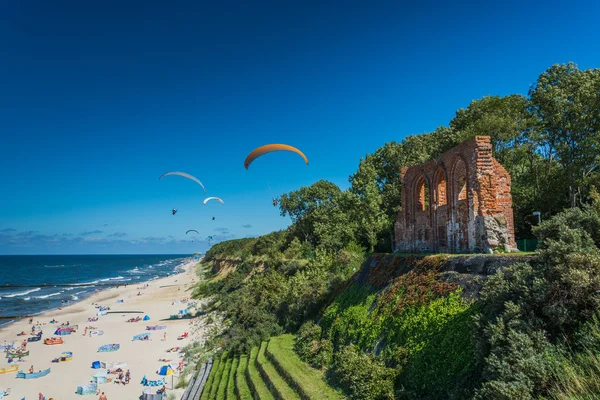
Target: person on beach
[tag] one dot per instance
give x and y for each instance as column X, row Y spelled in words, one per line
column 41, row 396
column 102, row 397
column 31, row 369
column 165, row 337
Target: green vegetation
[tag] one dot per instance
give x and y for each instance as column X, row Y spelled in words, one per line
column 218, row 376
column 308, row 382
column 255, row 381
column 274, row 381
column 243, row 390
column 415, row 322
column 231, row 379
column 532, row 332
column 290, row 290
column 221, row 391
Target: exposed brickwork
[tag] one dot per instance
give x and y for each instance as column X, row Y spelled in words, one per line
column 459, row 202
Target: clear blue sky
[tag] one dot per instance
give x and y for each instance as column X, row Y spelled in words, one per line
column 98, row 100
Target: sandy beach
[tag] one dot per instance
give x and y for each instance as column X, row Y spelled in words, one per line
column 142, row 357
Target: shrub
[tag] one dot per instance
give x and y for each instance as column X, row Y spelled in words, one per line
column 309, row 346
column 308, row 334
column 364, row 376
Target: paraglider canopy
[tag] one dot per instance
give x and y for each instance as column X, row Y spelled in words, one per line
column 213, row 198
column 185, row 175
column 270, row 148
column 192, row 230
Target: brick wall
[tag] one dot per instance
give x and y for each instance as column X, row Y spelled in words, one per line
column 459, row 202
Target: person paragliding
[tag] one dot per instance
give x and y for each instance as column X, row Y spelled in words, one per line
column 174, row 211
column 213, row 218
column 270, row 148
column 275, row 202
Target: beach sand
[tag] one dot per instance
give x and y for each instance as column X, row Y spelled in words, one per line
column 142, row 356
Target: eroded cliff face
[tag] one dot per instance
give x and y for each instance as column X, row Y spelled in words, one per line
column 222, row 267
column 468, row 271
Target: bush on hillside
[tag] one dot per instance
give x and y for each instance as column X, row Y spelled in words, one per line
column 309, row 346
column 362, row 375
column 530, row 310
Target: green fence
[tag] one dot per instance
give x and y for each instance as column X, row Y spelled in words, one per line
column 527, row 244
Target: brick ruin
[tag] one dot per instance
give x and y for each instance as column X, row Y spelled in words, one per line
column 459, row 202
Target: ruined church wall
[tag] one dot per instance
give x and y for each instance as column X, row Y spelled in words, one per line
column 459, row 202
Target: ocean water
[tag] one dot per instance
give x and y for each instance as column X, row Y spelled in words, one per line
column 30, row 285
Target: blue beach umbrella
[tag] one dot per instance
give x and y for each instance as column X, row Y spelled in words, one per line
column 166, row 370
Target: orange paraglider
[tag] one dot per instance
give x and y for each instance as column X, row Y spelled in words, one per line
column 268, row 149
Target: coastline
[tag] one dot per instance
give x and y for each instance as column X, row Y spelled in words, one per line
column 155, row 300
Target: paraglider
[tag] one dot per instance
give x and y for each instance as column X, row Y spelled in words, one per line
column 270, row 148
column 213, row 218
column 192, row 230
column 185, row 176
column 174, row 211
column 275, row 201
column 213, row 198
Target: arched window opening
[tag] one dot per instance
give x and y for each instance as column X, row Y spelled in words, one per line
column 461, row 184
column 423, row 200
column 440, row 188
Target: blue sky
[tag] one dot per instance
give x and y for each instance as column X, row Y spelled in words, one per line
column 98, row 100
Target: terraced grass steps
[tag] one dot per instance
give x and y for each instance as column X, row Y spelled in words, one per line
column 258, row 388
column 214, row 379
column 222, row 389
column 218, row 377
column 210, row 380
column 306, row 381
column 241, row 384
column 230, row 393
column 276, row 384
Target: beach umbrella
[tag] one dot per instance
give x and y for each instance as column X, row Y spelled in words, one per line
column 166, row 370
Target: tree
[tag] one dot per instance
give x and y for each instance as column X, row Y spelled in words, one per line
column 515, row 134
column 567, row 102
column 320, row 214
column 505, row 120
column 368, row 207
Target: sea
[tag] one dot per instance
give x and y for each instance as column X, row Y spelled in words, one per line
column 30, row 285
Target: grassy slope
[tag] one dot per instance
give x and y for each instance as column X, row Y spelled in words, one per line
column 241, row 384
column 224, row 380
column 231, row 380
column 218, row 377
column 277, row 383
column 306, row 380
column 256, row 381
